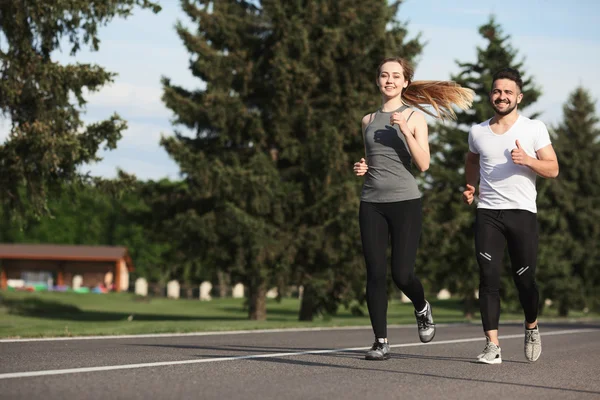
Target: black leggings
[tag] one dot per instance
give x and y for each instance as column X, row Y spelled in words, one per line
column 402, row 222
column 493, row 230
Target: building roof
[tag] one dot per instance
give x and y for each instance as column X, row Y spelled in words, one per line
column 64, row 252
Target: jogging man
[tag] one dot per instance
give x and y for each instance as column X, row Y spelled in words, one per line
column 505, row 154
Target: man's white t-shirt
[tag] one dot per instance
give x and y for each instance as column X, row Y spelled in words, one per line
column 503, row 184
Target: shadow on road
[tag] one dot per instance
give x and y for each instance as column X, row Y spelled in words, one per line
column 426, row 375
column 313, row 351
column 55, row 310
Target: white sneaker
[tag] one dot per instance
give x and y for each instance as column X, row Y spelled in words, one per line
column 425, row 324
column 491, row 354
column 533, row 344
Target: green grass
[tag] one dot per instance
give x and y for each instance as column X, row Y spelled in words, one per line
column 40, row 314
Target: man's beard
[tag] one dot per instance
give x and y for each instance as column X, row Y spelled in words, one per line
column 505, row 112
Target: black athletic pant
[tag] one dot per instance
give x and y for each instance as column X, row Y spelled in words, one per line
column 400, row 221
column 493, row 230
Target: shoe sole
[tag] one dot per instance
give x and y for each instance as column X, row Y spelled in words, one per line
column 385, row 357
column 484, row 361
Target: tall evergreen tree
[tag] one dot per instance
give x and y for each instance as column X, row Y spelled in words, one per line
column 342, row 58
column 43, row 100
column 163, row 215
column 571, row 209
column 276, row 129
column 447, row 221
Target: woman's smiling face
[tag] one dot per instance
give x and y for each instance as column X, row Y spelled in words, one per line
column 391, row 80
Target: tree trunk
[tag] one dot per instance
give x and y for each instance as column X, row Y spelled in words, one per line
column 563, row 309
column 541, row 307
column 469, row 306
column 223, row 282
column 307, row 307
column 257, row 299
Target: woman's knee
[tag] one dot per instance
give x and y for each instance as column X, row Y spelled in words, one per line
column 403, row 280
column 376, row 278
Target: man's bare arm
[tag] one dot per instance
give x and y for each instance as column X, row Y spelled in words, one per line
column 472, row 169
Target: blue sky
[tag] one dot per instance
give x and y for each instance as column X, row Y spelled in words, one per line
column 559, row 40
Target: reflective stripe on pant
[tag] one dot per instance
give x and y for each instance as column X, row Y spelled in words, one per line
column 494, row 229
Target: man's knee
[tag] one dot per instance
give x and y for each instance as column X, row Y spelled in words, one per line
column 525, row 280
column 489, row 276
column 488, row 290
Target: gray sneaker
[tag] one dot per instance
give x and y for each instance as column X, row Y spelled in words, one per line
column 491, row 354
column 533, row 344
column 487, row 342
column 379, row 351
column 425, row 325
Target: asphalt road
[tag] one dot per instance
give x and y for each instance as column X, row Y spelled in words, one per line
column 316, row 364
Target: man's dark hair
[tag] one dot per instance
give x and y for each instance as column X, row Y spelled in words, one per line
column 509, row 73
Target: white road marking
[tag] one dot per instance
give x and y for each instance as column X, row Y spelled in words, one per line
column 30, row 374
column 212, row 333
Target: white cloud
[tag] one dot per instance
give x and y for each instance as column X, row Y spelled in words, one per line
column 142, row 136
column 130, row 101
column 138, row 63
column 154, row 164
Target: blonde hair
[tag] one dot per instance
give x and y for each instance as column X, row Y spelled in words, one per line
column 441, row 95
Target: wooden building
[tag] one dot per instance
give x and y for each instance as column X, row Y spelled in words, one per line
column 92, row 263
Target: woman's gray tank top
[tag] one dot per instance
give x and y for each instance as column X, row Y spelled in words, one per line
column 389, row 177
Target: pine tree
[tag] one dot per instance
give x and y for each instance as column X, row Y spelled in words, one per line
column 448, row 222
column 166, row 212
column 43, row 100
column 571, row 210
column 343, row 59
column 276, row 130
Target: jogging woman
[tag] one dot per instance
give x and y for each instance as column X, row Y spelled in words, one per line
column 396, row 137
